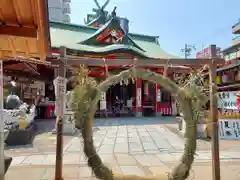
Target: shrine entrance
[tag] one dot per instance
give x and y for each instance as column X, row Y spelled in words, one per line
column 149, row 99
column 119, row 99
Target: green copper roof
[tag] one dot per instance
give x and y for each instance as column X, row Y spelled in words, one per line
column 69, row 35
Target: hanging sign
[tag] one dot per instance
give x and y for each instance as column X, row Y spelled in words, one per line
column 103, row 96
column 59, row 86
column 139, row 98
column 228, row 100
column 60, row 93
column 229, row 129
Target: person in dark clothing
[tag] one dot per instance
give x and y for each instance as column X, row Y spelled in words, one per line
column 117, row 107
column 41, row 109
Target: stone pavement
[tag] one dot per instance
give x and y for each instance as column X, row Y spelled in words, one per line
column 200, row 171
column 204, row 145
column 138, row 146
column 43, row 143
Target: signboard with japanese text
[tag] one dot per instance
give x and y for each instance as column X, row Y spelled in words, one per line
column 228, row 100
column 139, row 97
column 229, row 129
column 60, row 93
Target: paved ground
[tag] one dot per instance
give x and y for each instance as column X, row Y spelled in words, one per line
column 43, row 143
column 224, row 145
column 139, row 146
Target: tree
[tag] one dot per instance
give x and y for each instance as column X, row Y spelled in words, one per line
column 189, row 94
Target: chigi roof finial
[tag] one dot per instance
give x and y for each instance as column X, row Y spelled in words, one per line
column 114, row 14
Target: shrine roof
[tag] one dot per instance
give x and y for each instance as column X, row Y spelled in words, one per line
column 70, row 36
column 111, row 25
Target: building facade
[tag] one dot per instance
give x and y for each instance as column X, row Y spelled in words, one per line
column 228, row 75
column 232, row 53
column 59, row 10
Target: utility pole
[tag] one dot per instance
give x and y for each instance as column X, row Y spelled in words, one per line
column 187, row 50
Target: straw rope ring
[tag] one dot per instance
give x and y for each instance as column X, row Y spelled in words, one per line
column 92, row 96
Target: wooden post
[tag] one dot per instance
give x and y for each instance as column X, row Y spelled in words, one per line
column 60, row 93
column 1, row 124
column 214, row 116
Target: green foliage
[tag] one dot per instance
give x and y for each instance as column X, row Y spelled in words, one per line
column 80, row 99
column 193, row 85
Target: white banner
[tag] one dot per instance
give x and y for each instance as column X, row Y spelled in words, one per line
column 139, row 97
column 158, row 95
column 103, row 102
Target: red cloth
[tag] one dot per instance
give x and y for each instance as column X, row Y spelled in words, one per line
column 238, row 102
column 50, row 110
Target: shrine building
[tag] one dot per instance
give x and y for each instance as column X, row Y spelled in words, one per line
column 107, row 36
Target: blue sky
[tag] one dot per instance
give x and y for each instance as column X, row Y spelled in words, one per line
column 176, row 22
